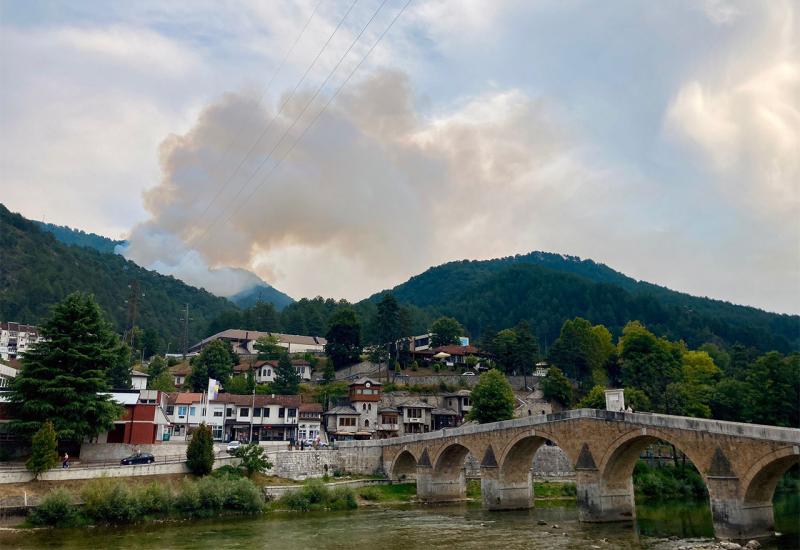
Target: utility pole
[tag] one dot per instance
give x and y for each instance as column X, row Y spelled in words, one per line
column 133, row 309
column 185, row 332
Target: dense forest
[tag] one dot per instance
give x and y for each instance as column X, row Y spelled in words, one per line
column 37, row 271
column 78, row 237
column 547, row 289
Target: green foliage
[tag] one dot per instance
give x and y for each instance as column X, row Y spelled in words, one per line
column 62, row 378
column 43, row 450
column 39, row 271
column 492, row 398
column 215, row 361
column 388, row 322
column 668, row 481
column 774, row 386
column 314, row 495
column 287, row 379
column 253, row 458
column 329, row 374
column 581, row 351
column 446, row 331
column 164, row 382
column 78, row 237
column 109, row 501
column 119, row 372
column 154, row 499
column 238, row 385
column 228, row 471
column 156, row 367
column 595, row 399
column 57, row 509
column 344, row 338
column 556, row 387
column 637, row 400
column 649, row 363
column 200, row 452
column 269, row 347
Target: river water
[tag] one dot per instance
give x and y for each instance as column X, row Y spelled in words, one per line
column 451, row 527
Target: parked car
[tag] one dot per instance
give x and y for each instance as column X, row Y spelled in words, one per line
column 140, row 458
column 233, row 445
column 468, row 373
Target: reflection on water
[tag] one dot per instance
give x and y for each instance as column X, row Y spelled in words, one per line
column 404, row 528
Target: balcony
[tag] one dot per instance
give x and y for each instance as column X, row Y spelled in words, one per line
column 388, row 427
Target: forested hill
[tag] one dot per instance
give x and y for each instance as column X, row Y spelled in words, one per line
column 36, row 271
column 67, row 235
column 547, row 289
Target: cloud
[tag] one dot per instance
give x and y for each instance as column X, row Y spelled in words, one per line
column 377, row 186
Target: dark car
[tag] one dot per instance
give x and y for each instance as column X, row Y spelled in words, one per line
column 141, row 458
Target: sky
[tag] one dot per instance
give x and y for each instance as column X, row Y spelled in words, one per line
column 338, row 148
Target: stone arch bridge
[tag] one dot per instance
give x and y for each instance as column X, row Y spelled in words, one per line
column 741, row 464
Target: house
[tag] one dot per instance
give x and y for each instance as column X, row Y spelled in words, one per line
column 444, row 418
column 180, row 373
column 414, row 415
column 310, row 423
column 260, row 417
column 243, row 342
column 342, row 423
column 457, row 354
column 138, row 380
column 265, row 370
column 7, row 373
column 460, row 402
column 16, row 339
column 142, row 423
column 388, row 422
column 186, row 411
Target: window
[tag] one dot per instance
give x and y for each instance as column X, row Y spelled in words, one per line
column 229, row 412
column 244, row 411
column 263, row 372
column 366, row 423
column 218, row 413
column 182, row 410
column 266, row 412
column 415, row 413
column 192, row 411
column 216, row 432
column 292, row 413
column 170, row 409
column 281, row 413
column 347, row 421
column 369, row 407
column 257, row 412
column 363, row 406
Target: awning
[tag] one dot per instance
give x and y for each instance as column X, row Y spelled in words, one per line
column 441, row 355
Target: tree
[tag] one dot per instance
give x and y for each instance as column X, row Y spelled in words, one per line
column 63, row 379
column 43, row 450
column 238, row 385
column 526, row 353
column 164, row 381
column 729, row 400
column 344, row 338
column 388, row 320
column 492, row 398
column 200, row 452
column 329, row 374
column 253, row 458
column 556, row 387
column 637, row 400
column 504, row 350
column 287, row 379
column 156, row 367
column 581, row 351
column 595, row 399
column 269, row 347
column 119, row 374
column 215, row 361
column 649, row 363
column 446, row 331
column 774, row 382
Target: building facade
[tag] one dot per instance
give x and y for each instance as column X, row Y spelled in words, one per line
column 16, row 339
column 243, row 342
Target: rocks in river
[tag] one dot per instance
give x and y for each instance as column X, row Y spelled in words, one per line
column 752, row 544
column 540, row 522
column 555, row 526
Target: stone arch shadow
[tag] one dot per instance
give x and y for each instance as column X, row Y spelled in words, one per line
column 403, row 467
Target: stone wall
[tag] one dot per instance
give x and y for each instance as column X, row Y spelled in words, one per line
column 517, row 382
column 97, row 452
column 299, row 465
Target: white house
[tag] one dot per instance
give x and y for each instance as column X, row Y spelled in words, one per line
column 243, row 341
column 7, row 373
column 138, row 380
column 16, row 339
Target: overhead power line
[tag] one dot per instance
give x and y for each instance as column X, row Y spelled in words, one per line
column 319, row 114
column 278, row 112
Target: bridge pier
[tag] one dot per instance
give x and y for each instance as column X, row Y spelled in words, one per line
column 734, row 519
column 599, row 502
column 433, row 488
column 501, row 494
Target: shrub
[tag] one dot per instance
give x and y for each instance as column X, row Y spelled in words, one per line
column 188, row 498
column 370, row 493
column 242, row 494
column 253, row 458
column 668, row 481
column 109, row 501
column 342, row 498
column 228, row 471
column 314, row 495
column 153, row 499
column 43, row 450
column 56, row 509
column 211, row 492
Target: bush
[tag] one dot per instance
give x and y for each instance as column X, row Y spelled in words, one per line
column 212, row 495
column 668, row 481
column 370, row 493
column 154, row 499
column 56, row 509
column 342, row 498
column 243, row 495
column 314, row 495
column 107, row 501
column 253, row 458
column 200, row 453
column 228, row 471
column 43, row 450
column 188, row 498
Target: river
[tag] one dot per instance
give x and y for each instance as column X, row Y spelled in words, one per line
column 451, row 527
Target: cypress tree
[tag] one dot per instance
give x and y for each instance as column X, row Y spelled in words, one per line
column 63, row 378
column 200, row 453
column 43, row 450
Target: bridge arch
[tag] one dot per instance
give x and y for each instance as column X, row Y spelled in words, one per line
column 616, row 466
column 404, row 466
column 759, row 483
column 516, row 458
column 449, row 462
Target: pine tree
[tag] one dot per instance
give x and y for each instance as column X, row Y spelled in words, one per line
column 200, row 453
column 287, row 380
column 43, row 450
column 329, row 374
column 63, row 378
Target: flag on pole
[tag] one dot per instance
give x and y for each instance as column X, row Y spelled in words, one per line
column 213, row 389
